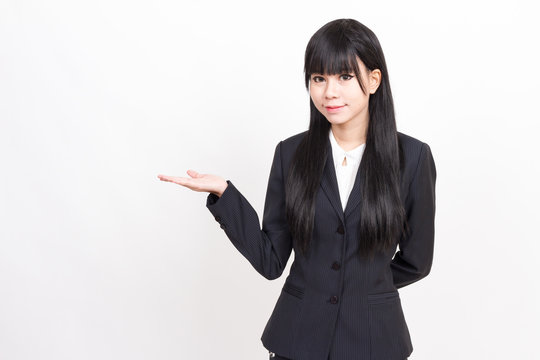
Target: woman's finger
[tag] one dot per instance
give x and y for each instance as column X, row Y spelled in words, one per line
column 163, row 177
column 174, row 179
column 187, row 182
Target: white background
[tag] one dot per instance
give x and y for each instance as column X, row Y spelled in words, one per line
column 101, row 260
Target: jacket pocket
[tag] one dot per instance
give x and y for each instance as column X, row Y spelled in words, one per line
column 382, row 297
column 280, row 330
column 293, row 290
column 389, row 334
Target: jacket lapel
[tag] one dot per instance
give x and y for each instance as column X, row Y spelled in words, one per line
column 354, row 197
column 330, row 187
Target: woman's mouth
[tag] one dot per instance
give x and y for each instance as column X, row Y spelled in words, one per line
column 333, row 109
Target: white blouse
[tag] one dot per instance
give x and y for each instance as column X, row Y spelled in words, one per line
column 346, row 174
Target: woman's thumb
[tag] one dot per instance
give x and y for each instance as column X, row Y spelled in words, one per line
column 193, row 173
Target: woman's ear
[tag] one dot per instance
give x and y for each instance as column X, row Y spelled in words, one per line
column 374, row 80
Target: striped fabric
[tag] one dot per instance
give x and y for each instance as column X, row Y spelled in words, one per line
column 333, row 304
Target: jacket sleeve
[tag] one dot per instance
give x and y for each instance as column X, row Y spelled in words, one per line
column 269, row 248
column 413, row 260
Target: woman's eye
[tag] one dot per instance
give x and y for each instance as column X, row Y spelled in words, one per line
column 346, row 77
column 318, row 79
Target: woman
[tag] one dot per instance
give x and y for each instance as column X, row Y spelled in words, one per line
column 342, row 195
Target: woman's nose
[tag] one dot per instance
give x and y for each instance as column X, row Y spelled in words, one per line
column 331, row 91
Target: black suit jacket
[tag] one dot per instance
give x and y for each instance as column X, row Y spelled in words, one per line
column 333, row 304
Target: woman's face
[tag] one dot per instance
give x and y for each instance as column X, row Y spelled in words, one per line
column 339, row 97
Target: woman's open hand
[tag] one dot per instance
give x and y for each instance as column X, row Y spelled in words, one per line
column 199, row 182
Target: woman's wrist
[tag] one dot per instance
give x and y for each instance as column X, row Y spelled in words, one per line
column 222, row 189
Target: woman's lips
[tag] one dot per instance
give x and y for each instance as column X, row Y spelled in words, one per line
column 333, row 109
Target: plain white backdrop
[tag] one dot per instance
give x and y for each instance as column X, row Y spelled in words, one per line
column 101, row 260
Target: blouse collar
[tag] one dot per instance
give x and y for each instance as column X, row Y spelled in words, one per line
column 354, row 155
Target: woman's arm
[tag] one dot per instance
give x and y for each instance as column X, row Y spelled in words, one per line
column 413, row 260
column 269, row 248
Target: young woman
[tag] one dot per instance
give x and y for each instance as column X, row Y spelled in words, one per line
column 343, row 195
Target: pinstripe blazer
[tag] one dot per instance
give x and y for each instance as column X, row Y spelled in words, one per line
column 334, row 304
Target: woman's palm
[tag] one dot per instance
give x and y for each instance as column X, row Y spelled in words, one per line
column 198, row 182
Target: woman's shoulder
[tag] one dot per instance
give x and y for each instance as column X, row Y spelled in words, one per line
column 409, row 141
column 294, row 139
column 286, row 148
column 289, row 144
column 411, row 146
column 415, row 153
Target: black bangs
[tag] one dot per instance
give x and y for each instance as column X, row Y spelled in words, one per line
column 330, row 52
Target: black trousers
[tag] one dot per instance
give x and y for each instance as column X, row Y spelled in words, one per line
column 277, row 357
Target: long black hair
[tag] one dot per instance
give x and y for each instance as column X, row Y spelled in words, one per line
column 335, row 49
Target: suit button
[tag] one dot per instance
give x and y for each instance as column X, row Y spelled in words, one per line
column 218, row 218
column 222, row 226
column 334, row 299
column 335, row 265
column 340, row 229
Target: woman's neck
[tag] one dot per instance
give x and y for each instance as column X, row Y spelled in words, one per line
column 349, row 137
